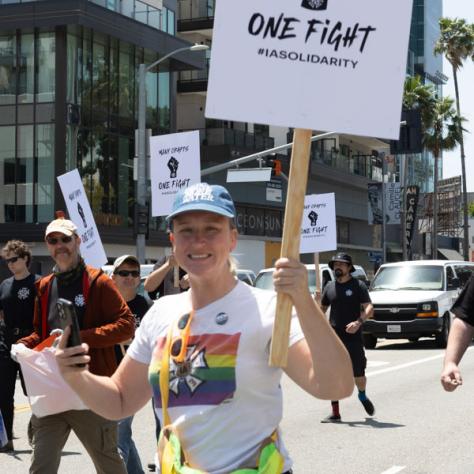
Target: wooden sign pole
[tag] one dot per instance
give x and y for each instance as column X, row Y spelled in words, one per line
column 318, row 278
column 290, row 246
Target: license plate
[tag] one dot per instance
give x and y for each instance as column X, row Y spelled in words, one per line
column 394, row 328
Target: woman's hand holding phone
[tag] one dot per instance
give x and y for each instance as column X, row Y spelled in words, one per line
column 71, row 360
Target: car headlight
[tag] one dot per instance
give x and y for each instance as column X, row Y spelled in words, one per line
column 428, row 310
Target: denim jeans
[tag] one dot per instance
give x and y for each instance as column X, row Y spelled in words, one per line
column 127, row 448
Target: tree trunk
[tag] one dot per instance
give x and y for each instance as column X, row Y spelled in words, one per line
column 464, row 178
column 434, row 229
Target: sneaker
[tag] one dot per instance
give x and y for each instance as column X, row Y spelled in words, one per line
column 8, row 448
column 369, row 406
column 331, row 419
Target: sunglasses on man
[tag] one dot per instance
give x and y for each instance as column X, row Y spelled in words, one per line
column 126, row 273
column 11, row 260
column 65, row 239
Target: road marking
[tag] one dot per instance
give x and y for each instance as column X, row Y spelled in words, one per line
column 376, row 363
column 408, row 364
column 394, row 470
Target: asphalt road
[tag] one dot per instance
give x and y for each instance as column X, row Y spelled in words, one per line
column 418, row 428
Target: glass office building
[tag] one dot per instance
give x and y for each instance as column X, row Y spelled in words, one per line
column 68, row 99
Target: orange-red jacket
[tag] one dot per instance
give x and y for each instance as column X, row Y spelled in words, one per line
column 107, row 320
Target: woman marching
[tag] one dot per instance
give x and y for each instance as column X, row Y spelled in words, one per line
column 203, row 354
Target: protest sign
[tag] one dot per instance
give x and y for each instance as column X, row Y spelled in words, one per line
column 290, row 59
column 174, row 164
column 80, row 213
column 302, row 55
column 318, row 226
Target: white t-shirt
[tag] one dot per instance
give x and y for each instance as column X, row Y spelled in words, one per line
column 226, row 399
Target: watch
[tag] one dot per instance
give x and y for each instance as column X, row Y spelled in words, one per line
column 360, row 320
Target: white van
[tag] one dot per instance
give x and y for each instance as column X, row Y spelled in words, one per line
column 413, row 299
column 265, row 277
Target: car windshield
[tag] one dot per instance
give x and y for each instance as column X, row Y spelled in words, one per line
column 264, row 281
column 409, row 278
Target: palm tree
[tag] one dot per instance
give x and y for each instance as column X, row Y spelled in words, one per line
column 421, row 97
column 456, row 43
column 443, row 134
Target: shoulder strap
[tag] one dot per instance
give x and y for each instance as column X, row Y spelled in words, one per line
column 165, row 376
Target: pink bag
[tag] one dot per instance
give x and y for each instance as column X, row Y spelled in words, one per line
column 48, row 393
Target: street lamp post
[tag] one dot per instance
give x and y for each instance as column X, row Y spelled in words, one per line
column 141, row 137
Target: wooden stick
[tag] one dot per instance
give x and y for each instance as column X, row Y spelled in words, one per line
column 176, row 276
column 290, row 246
column 318, row 289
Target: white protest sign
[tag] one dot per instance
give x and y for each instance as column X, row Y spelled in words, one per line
column 393, row 203
column 333, row 65
column 175, row 163
column 318, row 226
column 80, row 213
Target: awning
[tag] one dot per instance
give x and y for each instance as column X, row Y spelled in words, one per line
column 451, row 254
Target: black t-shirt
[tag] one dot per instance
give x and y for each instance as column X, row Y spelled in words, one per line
column 138, row 306
column 74, row 292
column 17, row 301
column 463, row 307
column 345, row 300
column 167, row 285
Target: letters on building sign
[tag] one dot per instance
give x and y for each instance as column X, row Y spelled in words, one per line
column 412, row 203
column 253, row 221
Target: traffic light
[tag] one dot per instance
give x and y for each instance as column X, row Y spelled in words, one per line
column 141, row 221
column 275, row 165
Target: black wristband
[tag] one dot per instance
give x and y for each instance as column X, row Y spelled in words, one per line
column 360, row 320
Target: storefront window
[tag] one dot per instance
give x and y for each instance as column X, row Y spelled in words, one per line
column 46, row 68
column 7, row 69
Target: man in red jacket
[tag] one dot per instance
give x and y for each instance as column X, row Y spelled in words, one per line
column 105, row 320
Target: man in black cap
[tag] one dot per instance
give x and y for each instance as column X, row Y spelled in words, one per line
column 350, row 305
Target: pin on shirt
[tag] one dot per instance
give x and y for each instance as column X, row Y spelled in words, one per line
column 222, row 318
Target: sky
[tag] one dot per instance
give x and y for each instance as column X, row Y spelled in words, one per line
column 452, row 160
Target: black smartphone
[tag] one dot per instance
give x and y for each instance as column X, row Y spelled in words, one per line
column 67, row 317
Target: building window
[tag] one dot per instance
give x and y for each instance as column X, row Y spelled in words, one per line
column 343, row 234
column 7, row 69
column 46, row 67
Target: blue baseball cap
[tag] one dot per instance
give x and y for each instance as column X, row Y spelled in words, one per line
column 203, row 197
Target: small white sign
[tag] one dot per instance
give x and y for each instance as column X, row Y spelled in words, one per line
column 274, row 191
column 175, row 164
column 392, row 199
column 328, row 65
column 80, row 213
column 318, row 226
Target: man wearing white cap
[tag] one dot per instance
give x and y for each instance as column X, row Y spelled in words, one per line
column 105, row 320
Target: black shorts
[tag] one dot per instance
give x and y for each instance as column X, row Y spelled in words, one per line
column 355, row 347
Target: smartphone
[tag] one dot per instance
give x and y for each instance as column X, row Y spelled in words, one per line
column 68, row 317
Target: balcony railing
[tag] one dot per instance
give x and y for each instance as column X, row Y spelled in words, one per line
column 233, row 137
column 360, row 165
column 195, row 75
column 195, row 9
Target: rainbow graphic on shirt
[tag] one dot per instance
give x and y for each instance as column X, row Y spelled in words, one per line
column 207, row 377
